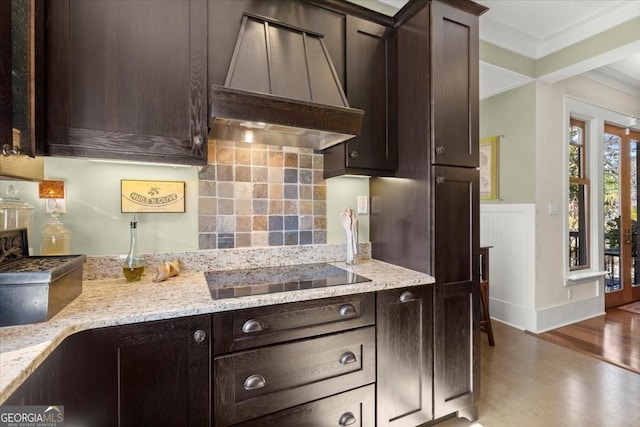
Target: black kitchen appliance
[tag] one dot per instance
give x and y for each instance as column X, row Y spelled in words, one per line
column 265, row 280
column 34, row 288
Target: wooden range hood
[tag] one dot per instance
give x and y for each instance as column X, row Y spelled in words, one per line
column 281, row 89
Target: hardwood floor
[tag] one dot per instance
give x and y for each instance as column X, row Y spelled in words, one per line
column 530, row 382
column 614, row 338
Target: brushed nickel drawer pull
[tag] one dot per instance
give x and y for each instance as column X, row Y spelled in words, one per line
column 252, row 325
column 199, row 335
column 347, row 358
column 406, row 296
column 254, row 382
column 346, row 419
column 347, row 310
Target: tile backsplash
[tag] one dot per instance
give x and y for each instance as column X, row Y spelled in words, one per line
column 261, row 195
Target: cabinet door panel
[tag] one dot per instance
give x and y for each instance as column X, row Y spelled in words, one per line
column 456, row 303
column 127, row 80
column 404, row 345
column 454, row 63
column 456, row 213
column 164, row 373
column 456, row 356
column 90, row 378
column 370, row 86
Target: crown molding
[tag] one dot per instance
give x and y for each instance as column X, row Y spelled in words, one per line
column 510, row 38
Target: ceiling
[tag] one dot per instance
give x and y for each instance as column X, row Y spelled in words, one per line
column 536, row 28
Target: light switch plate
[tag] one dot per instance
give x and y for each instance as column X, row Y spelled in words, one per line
column 363, row 204
column 553, row 208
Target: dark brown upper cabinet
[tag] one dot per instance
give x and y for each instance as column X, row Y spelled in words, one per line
column 454, row 86
column 370, row 86
column 21, row 89
column 127, row 80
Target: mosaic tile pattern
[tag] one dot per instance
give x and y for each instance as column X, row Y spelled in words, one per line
column 254, row 195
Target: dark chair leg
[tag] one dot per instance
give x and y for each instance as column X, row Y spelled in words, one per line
column 485, row 323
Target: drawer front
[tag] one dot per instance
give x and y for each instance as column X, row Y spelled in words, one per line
column 353, row 408
column 254, row 383
column 255, row 327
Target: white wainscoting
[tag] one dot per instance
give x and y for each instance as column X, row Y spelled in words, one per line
column 510, row 229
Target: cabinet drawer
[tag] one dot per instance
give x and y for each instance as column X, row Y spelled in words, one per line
column 353, row 408
column 254, row 383
column 244, row 329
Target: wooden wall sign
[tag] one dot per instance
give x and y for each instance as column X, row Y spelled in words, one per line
column 152, row 196
column 489, row 168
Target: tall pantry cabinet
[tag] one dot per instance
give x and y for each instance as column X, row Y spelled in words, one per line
column 427, row 217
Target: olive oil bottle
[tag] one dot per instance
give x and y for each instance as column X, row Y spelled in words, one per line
column 134, row 263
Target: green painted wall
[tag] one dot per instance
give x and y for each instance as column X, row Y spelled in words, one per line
column 512, row 114
column 342, row 193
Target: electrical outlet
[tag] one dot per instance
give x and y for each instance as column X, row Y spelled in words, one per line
column 569, row 293
column 363, row 204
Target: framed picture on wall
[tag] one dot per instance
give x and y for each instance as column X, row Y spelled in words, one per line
column 489, row 167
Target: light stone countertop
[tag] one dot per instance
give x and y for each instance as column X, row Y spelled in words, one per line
column 110, row 302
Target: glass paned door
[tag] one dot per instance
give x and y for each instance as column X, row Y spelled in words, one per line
column 621, row 257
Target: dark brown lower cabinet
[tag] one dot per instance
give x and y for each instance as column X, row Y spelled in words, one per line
column 457, row 300
column 456, row 364
column 163, row 372
column 404, row 340
column 152, row 373
column 90, row 378
column 357, row 360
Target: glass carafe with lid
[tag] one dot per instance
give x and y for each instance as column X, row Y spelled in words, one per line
column 56, row 239
column 14, row 212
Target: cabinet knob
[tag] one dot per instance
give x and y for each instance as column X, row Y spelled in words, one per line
column 439, row 149
column 353, row 154
column 346, row 419
column 8, row 150
column 199, row 335
column 254, row 382
column 252, row 325
column 406, row 296
column 440, row 179
column 347, row 358
column 197, row 140
column 347, row 310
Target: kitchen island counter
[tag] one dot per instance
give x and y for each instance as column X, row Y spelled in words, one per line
column 112, row 302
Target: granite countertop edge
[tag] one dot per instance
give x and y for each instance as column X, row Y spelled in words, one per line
column 113, row 302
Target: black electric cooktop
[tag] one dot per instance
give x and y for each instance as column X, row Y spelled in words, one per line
column 266, row 280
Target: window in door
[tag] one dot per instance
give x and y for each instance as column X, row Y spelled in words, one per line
column 621, row 257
